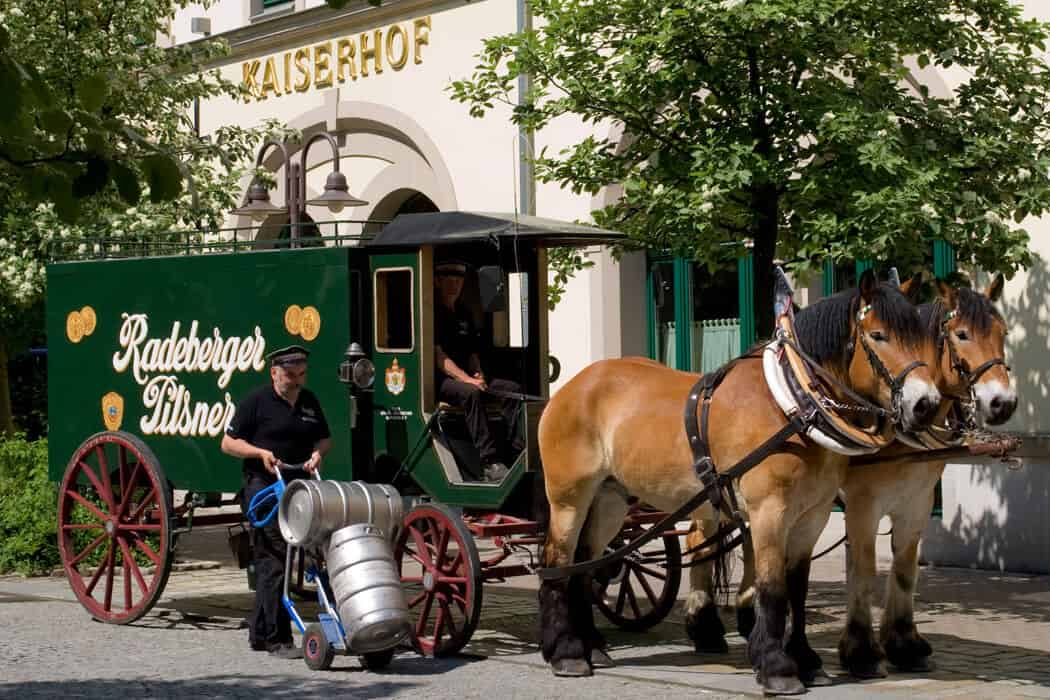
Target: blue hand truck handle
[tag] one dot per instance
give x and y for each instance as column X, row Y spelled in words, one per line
column 270, row 494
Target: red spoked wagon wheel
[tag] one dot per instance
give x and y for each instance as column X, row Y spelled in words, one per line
column 114, row 527
column 636, row 595
column 441, row 573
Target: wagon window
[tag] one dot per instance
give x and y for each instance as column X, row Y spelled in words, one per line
column 394, row 310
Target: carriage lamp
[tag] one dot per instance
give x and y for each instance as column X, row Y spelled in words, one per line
column 356, row 370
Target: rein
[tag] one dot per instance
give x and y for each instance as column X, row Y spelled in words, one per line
column 895, row 384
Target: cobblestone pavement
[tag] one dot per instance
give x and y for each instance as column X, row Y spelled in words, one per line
column 990, row 632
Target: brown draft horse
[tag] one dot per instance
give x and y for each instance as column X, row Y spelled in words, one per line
column 616, row 431
column 968, row 337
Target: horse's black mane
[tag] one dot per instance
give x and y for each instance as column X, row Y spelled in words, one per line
column 975, row 309
column 824, row 327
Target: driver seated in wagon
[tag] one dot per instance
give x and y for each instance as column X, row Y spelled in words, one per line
column 461, row 380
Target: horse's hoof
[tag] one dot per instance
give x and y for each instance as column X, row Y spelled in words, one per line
column 716, row 645
column 571, row 668
column 600, row 659
column 816, row 678
column 781, row 685
column 868, row 670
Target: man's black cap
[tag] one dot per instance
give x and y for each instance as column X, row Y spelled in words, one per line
column 451, row 267
column 291, row 355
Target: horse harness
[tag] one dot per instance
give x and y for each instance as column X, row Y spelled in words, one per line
column 718, row 486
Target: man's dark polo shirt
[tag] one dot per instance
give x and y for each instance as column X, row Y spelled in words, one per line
column 266, row 420
column 455, row 334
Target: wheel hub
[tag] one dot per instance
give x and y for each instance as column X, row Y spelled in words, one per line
column 110, row 527
column 428, row 581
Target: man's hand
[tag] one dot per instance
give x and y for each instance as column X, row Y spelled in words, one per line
column 478, row 380
column 314, row 463
column 269, row 461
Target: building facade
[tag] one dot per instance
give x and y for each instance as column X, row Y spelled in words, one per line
column 377, row 77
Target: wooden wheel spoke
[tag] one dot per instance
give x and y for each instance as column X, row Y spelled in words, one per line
column 107, row 483
column 81, row 526
column 123, row 470
column 439, row 622
column 148, row 551
column 140, row 527
column 452, row 580
column 420, row 560
column 103, row 565
column 86, row 503
column 88, row 550
column 110, row 573
column 621, row 598
column 461, row 600
column 424, row 614
column 630, row 595
column 129, row 563
column 450, row 618
column 411, row 579
column 421, row 546
column 125, row 496
column 648, row 571
column 648, row 588
column 147, row 501
column 452, row 566
column 417, row 600
column 87, row 471
column 442, row 546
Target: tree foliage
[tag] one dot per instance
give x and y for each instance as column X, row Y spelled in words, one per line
column 815, row 128
column 97, row 141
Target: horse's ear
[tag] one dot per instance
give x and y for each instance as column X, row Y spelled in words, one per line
column 947, row 294
column 868, row 284
column 995, row 289
column 912, row 288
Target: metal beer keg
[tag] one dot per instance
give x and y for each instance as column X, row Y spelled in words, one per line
column 367, row 588
column 312, row 510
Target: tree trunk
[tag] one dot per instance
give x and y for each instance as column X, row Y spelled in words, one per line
column 7, row 422
column 764, row 205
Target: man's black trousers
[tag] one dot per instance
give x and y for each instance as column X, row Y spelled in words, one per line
column 471, row 399
column 269, row 623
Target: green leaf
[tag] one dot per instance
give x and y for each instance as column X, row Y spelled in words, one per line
column 93, row 180
column 56, row 121
column 92, row 92
column 164, row 178
column 127, row 182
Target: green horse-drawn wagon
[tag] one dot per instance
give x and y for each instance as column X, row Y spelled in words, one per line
column 149, row 355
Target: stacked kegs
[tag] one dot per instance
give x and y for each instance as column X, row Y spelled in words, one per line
column 354, row 523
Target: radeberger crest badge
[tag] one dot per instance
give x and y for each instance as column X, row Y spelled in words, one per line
column 395, row 378
column 112, row 410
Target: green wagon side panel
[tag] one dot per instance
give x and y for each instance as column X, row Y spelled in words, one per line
column 181, row 414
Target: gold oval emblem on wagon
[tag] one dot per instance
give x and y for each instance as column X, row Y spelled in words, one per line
column 293, row 319
column 311, row 323
column 74, row 327
column 112, row 410
column 89, row 319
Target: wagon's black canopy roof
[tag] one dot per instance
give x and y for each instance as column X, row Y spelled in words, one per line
column 464, row 226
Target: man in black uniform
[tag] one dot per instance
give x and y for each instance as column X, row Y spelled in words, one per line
column 280, row 425
column 460, row 379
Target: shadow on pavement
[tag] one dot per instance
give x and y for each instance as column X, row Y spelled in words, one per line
column 328, row 685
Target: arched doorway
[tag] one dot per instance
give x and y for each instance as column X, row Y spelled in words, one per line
column 400, row 201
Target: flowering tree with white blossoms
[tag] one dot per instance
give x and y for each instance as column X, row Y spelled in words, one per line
column 818, row 129
column 97, row 141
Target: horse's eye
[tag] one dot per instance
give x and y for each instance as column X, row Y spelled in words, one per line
column 878, row 336
column 962, row 334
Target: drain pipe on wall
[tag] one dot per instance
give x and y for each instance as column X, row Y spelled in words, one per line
column 526, row 145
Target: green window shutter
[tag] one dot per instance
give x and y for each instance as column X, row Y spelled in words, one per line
column 274, row 3
column 683, row 313
column 943, row 259
column 829, row 278
column 863, row 266
column 745, row 272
